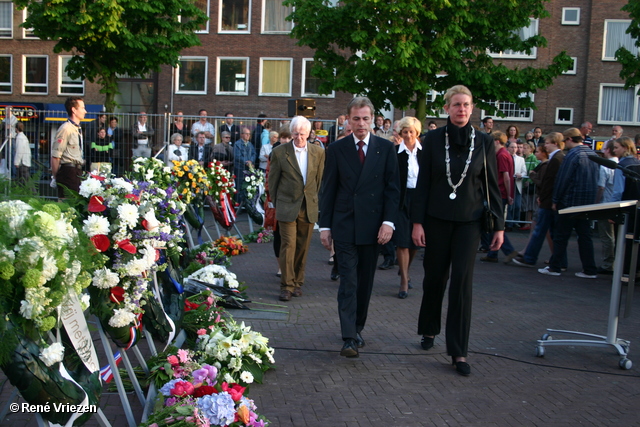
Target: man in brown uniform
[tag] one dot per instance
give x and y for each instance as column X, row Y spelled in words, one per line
column 66, row 153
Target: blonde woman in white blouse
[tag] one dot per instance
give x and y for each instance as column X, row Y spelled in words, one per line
column 22, row 161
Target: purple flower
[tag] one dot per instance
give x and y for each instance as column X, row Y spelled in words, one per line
column 219, row 408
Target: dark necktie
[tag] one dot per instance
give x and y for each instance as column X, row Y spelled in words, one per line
column 361, row 151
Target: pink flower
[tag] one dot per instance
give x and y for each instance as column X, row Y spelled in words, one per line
column 173, row 360
column 182, row 388
column 183, row 355
column 202, row 332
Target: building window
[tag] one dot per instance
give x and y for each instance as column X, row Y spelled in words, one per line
column 234, row 16
column 275, row 76
column 35, row 72
column 618, row 105
column 524, row 33
column 431, row 98
column 27, row 33
column 615, row 36
column 273, row 17
column 6, row 19
column 6, row 71
column 67, row 85
column 233, row 76
column 310, row 84
column 512, row 111
column 570, row 16
column 574, row 67
column 564, row 116
column 203, row 5
column 191, row 75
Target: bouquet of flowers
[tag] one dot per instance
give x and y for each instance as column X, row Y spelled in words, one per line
column 254, row 189
column 221, row 281
column 192, row 179
column 260, row 236
column 201, row 312
column 221, row 192
column 205, row 254
column 122, row 222
column 190, row 395
column 151, row 170
column 240, row 354
column 231, row 246
column 44, row 263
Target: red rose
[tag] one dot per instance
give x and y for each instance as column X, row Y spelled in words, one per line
column 117, row 294
column 204, row 390
column 236, row 391
column 101, row 242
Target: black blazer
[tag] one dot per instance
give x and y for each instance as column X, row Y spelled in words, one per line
column 193, row 152
column 403, row 168
column 357, row 198
column 235, row 132
column 546, row 187
column 433, row 190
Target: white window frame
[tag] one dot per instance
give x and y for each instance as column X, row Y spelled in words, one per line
column 263, row 22
column 24, row 76
column 10, row 83
column 61, row 85
column 617, row 121
column 27, row 33
column 574, row 70
column 431, row 96
column 206, row 29
column 304, row 80
column 565, row 21
column 204, row 59
column 262, row 61
column 10, row 28
column 246, row 31
column 558, row 121
column 520, row 55
column 633, row 49
column 218, row 74
column 496, row 117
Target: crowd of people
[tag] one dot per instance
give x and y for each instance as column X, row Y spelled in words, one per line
column 373, row 186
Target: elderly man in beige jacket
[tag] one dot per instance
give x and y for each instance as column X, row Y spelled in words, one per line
column 295, row 175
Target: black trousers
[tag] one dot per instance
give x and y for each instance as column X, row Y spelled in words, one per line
column 450, row 247
column 357, row 266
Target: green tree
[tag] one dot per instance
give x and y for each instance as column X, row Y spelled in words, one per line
column 630, row 72
column 115, row 37
column 398, row 51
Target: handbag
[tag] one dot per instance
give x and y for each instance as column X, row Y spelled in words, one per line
column 488, row 221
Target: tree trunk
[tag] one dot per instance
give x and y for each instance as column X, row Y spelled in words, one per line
column 421, row 108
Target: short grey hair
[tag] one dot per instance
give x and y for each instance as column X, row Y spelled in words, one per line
column 300, row 122
column 224, row 133
column 360, row 102
column 176, row 136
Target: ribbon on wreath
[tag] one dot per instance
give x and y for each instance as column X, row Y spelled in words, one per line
column 228, row 212
column 75, row 324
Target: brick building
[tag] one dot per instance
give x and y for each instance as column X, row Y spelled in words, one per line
column 248, row 64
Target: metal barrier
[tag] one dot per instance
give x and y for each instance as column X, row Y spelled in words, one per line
column 122, row 130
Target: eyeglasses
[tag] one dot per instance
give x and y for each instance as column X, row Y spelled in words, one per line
column 226, row 137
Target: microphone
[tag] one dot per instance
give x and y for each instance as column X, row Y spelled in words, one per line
column 603, row 162
column 628, row 172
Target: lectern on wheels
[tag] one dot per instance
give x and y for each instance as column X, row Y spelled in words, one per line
column 620, row 212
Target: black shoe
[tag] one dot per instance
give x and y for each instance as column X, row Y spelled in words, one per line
column 604, row 271
column 334, row 273
column 350, row 348
column 410, row 285
column 403, row 294
column 387, row 264
column 427, row 342
column 359, row 340
column 462, row 368
column 331, row 260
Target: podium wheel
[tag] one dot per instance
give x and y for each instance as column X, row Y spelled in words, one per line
column 625, row 363
column 539, row 351
column 546, row 337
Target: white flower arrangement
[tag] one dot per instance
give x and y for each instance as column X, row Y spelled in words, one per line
column 213, row 273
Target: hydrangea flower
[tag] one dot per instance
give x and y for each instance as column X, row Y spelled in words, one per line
column 218, row 408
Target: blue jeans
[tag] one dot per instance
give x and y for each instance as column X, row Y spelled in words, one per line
column 506, row 247
column 513, row 211
column 565, row 224
column 546, row 221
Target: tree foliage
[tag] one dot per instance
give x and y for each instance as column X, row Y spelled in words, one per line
column 115, row 37
column 398, row 51
column 630, row 72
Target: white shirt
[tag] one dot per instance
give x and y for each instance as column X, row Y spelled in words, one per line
column 302, row 155
column 521, row 168
column 171, row 154
column 206, row 127
column 413, row 166
column 142, row 128
column 23, row 151
column 366, row 143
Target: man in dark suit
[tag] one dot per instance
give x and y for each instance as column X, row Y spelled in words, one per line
column 228, row 126
column 294, row 182
column 200, row 151
column 360, row 198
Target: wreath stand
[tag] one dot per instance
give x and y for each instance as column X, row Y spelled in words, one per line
column 147, row 400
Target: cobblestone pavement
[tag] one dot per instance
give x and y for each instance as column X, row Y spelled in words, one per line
column 395, row 383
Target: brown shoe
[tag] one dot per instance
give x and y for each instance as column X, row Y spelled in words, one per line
column 285, row 295
column 297, row 292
